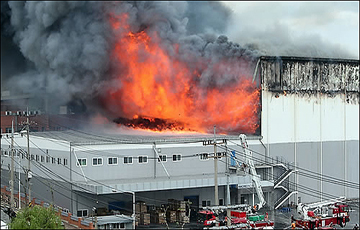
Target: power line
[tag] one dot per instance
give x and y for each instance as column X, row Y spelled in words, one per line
column 301, row 186
column 337, row 179
column 156, row 158
column 332, row 179
column 123, row 192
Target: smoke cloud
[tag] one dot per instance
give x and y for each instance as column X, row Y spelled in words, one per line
column 68, row 44
column 303, row 29
column 62, row 50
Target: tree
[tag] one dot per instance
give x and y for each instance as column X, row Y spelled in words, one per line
column 36, row 217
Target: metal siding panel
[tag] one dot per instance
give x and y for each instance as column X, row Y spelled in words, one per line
column 352, row 167
column 333, row 165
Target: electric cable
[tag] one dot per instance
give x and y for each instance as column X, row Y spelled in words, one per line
column 309, row 175
column 337, row 179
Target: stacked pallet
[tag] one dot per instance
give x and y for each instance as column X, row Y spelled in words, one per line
column 140, row 207
column 144, row 218
column 141, row 215
column 171, row 216
column 181, row 217
column 157, row 217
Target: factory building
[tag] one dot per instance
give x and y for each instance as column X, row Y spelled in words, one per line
column 307, row 141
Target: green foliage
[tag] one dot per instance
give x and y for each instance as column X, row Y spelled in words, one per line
column 36, row 217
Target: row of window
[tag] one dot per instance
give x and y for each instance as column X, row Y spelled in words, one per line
column 127, row 160
column 48, row 159
column 99, row 160
column 205, row 203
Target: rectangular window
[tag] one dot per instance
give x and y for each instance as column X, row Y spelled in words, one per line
column 208, row 203
column 82, row 212
column 203, row 203
column 204, row 156
column 59, row 161
column 53, row 160
column 47, row 159
column 6, row 153
column 23, row 153
column 81, row 161
column 176, row 157
column 122, row 225
column 127, row 160
column 112, row 160
column 17, row 153
column 162, row 158
column 221, row 201
column 42, row 158
column 37, row 157
column 221, row 154
column 32, row 157
column 97, row 161
column 142, row 159
column 65, row 161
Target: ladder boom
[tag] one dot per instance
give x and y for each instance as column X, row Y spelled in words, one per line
column 254, row 176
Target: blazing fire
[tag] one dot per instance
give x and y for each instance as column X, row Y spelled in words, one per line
column 157, row 91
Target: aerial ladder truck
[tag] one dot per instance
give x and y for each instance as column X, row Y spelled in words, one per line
column 252, row 171
column 243, row 215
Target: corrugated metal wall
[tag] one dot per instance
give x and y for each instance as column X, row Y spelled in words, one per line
column 310, row 117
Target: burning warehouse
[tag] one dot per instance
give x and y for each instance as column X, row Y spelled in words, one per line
column 149, row 94
column 309, row 110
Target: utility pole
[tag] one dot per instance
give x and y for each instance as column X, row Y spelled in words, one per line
column 27, row 124
column 216, row 192
column 12, row 203
column 28, row 150
column 19, row 181
column 216, row 170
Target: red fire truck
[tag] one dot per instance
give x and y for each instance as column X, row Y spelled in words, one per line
column 321, row 215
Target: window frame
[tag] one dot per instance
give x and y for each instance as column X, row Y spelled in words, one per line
column 201, row 156
column 65, row 161
column 161, row 158
column 97, row 161
column 128, row 157
column 142, row 161
column 78, row 164
column 112, row 159
column 221, row 201
column 82, row 212
column 176, row 159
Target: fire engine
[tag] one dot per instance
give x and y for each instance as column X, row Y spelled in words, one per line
column 322, row 214
column 243, row 215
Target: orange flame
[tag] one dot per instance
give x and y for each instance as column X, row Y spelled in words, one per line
column 154, row 84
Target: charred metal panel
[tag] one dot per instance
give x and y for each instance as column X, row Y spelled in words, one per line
column 310, row 75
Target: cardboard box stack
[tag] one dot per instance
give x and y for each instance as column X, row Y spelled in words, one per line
column 141, row 215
